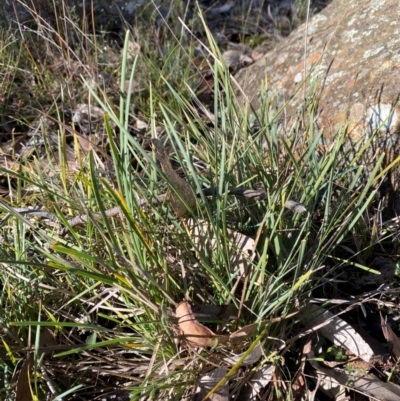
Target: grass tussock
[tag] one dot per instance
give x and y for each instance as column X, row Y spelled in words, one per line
column 88, row 309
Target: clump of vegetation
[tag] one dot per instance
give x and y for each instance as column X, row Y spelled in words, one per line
column 133, row 180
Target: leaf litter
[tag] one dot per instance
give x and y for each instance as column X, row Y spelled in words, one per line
column 242, row 252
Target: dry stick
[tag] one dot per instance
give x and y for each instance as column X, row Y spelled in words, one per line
column 258, row 195
column 246, row 193
column 33, row 212
column 114, row 211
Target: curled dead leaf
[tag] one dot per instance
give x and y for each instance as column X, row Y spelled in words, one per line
column 193, row 331
column 337, row 330
column 251, row 359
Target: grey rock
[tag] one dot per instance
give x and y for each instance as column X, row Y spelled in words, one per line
column 352, row 53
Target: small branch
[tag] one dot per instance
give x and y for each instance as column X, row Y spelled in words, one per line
column 43, row 214
column 245, row 192
column 257, row 195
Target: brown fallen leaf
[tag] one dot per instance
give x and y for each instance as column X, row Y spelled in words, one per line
column 23, row 390
column 197, row 334
column 179, row 184
column 390, row 337
column 193, row 331
column 337, row 330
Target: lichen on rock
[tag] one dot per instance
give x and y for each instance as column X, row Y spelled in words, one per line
column 351, row 49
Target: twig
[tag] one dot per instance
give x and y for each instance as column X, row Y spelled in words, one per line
column 257, row 195
column 245, row 192
column 43, row 214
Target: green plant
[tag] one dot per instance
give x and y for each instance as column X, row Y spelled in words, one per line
column 108, row 289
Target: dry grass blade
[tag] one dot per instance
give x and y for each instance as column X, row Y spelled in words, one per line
column 243, row 252
column 182, row 186
column 249, row 329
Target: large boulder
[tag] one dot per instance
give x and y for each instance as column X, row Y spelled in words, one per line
column 353, row 52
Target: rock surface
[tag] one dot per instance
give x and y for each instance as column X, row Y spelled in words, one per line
column 353, row 52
